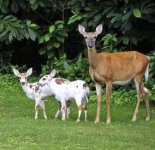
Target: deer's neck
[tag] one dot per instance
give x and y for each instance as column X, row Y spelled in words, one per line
column 26, row 88
column 92, row 57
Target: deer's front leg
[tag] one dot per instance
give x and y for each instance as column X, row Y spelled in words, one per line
column 42, row 104
column 108, row 94
column 98, row 92
column 58, row 113
column 36, row 110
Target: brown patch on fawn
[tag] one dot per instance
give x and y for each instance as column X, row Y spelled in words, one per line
column 68, row 103
column 36, row 88
column 38, row 107
column 61, row 81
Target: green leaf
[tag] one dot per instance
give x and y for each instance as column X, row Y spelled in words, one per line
column 1, row 27
column 42, row 51
column 60, row 39
column 25, row 33
column 59, row 22
column 35, row 6
column 56, row 45
column 3, row 33
column 126, row 16
column 5, row 6
column 42, row 39
column 52, row 28
column 50, row 54
column 60, row 26
column 32, row 34
column 133, row 40
column 1, row 2
column 22, row 4
column 28, row 22
column 33, row 25
column 137, row 13
column 63, row 33
column 116, row 18
column 126, row 40
column 14, row 6
column 8, row 17
column 74, row 19
column 47, row 37
column 10, row 37
column 32, row 1
column 65, row 65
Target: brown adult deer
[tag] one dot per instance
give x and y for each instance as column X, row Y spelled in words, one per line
column 115, row 68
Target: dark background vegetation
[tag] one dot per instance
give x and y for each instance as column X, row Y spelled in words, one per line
column 44, row 34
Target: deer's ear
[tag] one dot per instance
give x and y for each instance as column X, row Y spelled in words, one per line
column 29, row 72
column 81, row 29
column 16, row 72
column 53, row 73
column 99, row 29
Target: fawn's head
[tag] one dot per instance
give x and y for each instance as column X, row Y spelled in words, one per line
column 90, row 37
column 47, row 78
column 23, row 76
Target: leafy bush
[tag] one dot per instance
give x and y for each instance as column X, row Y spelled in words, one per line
column 9, row 81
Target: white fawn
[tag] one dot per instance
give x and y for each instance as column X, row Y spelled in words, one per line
column 115, row 68
column 64, row 90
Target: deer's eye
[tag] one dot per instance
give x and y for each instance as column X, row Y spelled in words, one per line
column 85, row 37
column 95, row 37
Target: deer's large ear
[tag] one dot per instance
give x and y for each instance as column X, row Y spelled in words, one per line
column 81, row 29
column 16, row 72
column 29, row 72
column 53, row 73
column 99, row 29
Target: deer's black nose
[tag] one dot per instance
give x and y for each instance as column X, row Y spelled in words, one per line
column 90, row 46
column 22, row 83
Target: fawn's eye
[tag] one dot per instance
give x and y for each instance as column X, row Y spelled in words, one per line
column 85, row 37
column 95, row 37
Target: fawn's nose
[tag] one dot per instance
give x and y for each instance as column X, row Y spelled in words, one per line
column 22, row 83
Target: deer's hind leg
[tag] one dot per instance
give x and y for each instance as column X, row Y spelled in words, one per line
column 147, row 104
column 138, row 83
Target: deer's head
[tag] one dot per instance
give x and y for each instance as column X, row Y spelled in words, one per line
column 23, row 76
column 47, row 78
column 90, row 37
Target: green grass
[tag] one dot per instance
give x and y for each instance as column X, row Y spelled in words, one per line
column 19, row 130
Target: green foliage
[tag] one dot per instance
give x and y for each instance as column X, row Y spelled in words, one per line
column 12, row 28
column 9, row 81
column 152, row 65
column 109, row 42
column 5, row 58
column 124, row 96
column 53, row 41
column 13, row 5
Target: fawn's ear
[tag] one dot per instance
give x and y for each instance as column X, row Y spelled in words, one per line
column 99, row 29
column 16, row 72
column 29, row 72
column 53, row 73
column 81, row 29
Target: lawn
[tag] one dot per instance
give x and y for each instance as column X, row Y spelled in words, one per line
column 19, row 130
